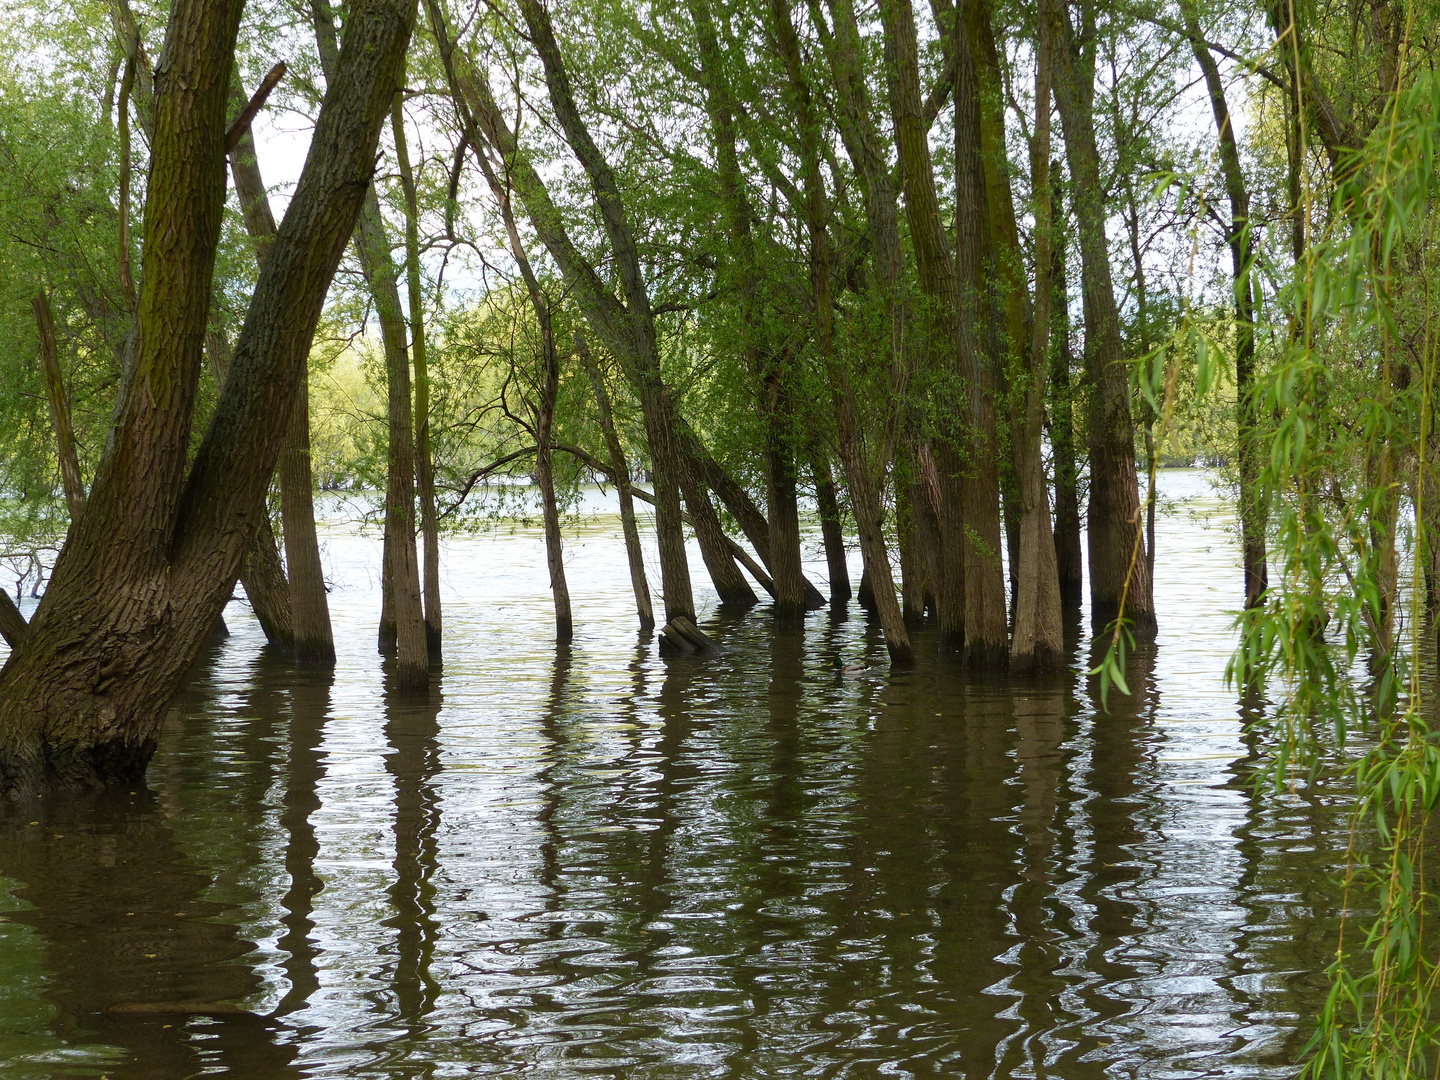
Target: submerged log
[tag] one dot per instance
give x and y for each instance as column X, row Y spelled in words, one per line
column 680, row 635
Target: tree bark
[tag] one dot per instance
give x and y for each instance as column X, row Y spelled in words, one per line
column 412, row 654
column 832, row 530
column 620, row 477
column 70, row 480
column 1069, row 557
column 545, row 479
column 1117, row 562
column 1037, row 643
column 864, row 497
column 135, row 591
column 261, row 572
column 424, row 459
column 310, row 633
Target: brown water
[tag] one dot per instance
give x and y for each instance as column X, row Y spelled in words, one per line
column 599, row 862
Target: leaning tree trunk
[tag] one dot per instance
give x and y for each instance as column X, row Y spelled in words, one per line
column 620, row 476
column 419, row 355
column 139, row 585
column 309, row 616
column 412, row 654
column 1117, row 560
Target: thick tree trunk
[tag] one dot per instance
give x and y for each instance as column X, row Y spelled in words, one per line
column 620, row 477
column 135, row 591
column 412, row 654
column 864, row 496
column 1117, row 562
column 832, row 530
column 311, row 636
column 914, row 570
column 424, row 459
column 730, row 584
column 1037, row 643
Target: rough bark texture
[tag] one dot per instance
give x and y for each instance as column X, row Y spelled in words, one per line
column 419, row 356
column 412, row 654
column 620, row 477
column 1117, row 559
column 139, row 585
column 13, row 627
column 311, row 636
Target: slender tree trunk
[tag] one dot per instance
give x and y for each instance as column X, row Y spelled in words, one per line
column 70, row 481
column 412, row 654
column 312, row 638
column 1069, row 557
column 138, row 586
column 831, row 528
column 424, row 461
column 914, row 565
column 1117, row 562
column 620, row 476
column 545, row 478
column 864, row 497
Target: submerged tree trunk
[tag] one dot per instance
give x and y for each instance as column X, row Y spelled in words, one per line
column 138, row 586
column 864, row 496
column 412, row 654
column 832, row 531
column 1069, row 557
column 620, row 477
column 545, row 478
column 1118, row 566
column 424, row 459
column 1037, row 643
column 311, row 635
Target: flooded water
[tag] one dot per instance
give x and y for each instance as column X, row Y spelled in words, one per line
column 598, row 862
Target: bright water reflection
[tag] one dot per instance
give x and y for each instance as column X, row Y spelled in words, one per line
column 600, row 862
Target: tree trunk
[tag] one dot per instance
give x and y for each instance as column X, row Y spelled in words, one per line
column 1117, row 562
column 1253, row 509
column 628, row 330
column 261, row 572
column 137, row 588
column 424, row 459
column 620, row 477
column 1069, row 557
column 70, row 481
column 545, row 478
column 1037, row 644
column 864, row 497
column 412, row 654
column 832, row 529
column 312, row 638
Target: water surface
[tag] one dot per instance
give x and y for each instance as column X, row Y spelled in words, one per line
column 596, row 862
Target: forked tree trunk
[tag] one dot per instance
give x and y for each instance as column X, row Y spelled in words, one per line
column 419, row 355
column 261, row 572
column 412, row 654
column 1118, row 565
column 139, row 585
column 620, row 477
column 312, row 638
column 628, row 330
